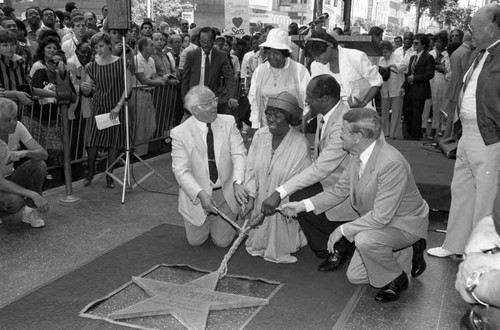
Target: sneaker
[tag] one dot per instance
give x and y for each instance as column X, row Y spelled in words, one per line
column 440, row 252
column 31, row 217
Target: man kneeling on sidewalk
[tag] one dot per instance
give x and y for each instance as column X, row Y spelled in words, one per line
column 20, row 189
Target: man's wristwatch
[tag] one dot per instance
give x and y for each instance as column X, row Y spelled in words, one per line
column 238, row 182
column 471, row 283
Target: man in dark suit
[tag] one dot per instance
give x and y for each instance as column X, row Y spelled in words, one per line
column 392, row 214
column 205, row 66
column 417, row 86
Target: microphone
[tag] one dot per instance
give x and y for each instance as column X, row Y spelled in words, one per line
column 319, row 19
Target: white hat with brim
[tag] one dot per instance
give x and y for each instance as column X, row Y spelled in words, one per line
column 277, row 39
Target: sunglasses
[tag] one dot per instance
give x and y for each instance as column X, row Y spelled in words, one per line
column 54, row 62
column 416, row 42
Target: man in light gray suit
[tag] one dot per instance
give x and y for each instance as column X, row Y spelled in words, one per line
column 392, row 213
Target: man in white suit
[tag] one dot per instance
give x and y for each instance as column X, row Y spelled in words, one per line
column 392, row 213
column 208, row 161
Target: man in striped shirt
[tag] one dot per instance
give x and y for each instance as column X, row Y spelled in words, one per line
column 13, row 70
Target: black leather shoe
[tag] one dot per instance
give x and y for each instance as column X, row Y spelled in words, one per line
column 418, row 262
column 332, row 262
column 393, row 290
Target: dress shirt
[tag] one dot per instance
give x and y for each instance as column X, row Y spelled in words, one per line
column 468, row 105
column 406, row 55
column 202, row 70
column 363, row 157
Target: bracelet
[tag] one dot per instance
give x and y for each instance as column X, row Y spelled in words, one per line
column 479, row 300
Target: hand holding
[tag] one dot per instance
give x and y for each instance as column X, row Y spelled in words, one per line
column 207, row 203
column 240, row 193
column 247, row 208
column 24, row 98
column 411, row 79
column 14, row 156
column 291, row 209
column 113, row 114
column 42, row 204
column 354, row 102
column 333, row 239
column 270, row 204
column 233, row 103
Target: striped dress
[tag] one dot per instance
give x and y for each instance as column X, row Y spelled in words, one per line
column 109, row 86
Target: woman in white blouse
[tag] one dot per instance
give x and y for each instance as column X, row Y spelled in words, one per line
column 359, row 79
column 391, row 93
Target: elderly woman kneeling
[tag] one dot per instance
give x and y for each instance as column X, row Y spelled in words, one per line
column 278, row 152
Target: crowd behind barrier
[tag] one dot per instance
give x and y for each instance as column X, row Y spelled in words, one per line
column 46, row 126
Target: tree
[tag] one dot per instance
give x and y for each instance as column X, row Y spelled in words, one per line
column 453, row 15
column 433, row 6
column 167, row 8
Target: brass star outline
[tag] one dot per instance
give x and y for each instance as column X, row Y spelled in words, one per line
column 190, row 303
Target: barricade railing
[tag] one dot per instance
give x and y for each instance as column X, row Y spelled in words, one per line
column 45, row 124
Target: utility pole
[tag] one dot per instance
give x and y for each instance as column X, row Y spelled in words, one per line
column 347, row 14
column 417, row 19
column 318, row 8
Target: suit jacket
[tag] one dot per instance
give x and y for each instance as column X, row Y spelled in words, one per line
column 219, row 67
column 328, row 167
column 487, row 95
column 385, row 195
column 190, row 164
column 423, row 73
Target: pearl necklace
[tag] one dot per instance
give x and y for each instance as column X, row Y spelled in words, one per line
column 276, row 75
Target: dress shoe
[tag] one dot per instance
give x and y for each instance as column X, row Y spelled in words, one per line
column 393, row 290
column 440, row 252
column 418, row 262
column 332, row 262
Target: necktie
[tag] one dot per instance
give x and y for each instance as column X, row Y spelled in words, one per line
column 413, row 64
column 207, row 68
column 474, row 66
column 212, row 166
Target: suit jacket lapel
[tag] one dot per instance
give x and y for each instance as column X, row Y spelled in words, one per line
column 328, row 127
column 218, row 131
column 369, row 167
column 199, row 139
column 197, row 58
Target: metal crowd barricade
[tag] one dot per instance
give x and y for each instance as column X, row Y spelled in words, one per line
column 43, row 122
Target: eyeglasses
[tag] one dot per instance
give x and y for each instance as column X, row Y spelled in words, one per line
column 416, row 42
column 206, row 42
column 211, row 103
column 51, row 61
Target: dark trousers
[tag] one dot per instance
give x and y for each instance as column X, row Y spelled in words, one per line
column 30, row 175
column 317, row 228
column 412, row 115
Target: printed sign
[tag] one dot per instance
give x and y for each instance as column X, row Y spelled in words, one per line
column 237, row 17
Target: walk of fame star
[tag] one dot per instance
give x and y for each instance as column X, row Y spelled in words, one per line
column 190, row 303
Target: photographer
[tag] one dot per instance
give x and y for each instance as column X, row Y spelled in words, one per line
column 391, row 67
